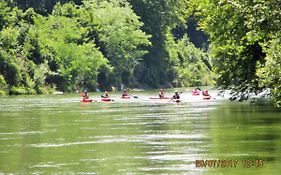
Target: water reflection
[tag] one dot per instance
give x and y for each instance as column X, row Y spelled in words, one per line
column 245, row 133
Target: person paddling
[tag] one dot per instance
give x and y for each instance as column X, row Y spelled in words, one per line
column 197, row 89
column 85, row 95
column 125, row 93
column 205, row 93
column 176, row 96
column 161, row 93
column 105, row 95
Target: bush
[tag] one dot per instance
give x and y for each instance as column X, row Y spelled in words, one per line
column 3, row 83
column 17, row 91
column 2, row 92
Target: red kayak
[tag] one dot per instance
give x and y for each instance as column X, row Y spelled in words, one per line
column 207, row 97
column 87, row 100
column 106, row 99
column 126, row 97
column 195, row 92
column 160, row 98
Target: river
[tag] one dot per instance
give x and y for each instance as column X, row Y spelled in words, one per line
column 56, row 134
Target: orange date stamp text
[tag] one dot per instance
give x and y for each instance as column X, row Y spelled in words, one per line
column 228, row 163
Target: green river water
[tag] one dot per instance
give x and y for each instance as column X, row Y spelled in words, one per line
column 56, row 134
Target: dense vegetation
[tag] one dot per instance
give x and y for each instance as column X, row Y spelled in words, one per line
column 96, row 44
column 244, row 41
column 71, row 45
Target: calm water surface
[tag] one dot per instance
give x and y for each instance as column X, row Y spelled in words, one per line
column 57, row 134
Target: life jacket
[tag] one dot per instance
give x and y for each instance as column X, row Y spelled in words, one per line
column 85, row 95
column 125, row 94
column 161, row 94
column 205, row 93
column 176, row 96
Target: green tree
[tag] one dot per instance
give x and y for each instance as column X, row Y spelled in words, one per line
column 116, row 29
column 241, row 35
column 270, row 73
column 74, row 63
column 192, row 66
column 43, row 7
column 9, row 34
column 159, row 17
column 224, row 23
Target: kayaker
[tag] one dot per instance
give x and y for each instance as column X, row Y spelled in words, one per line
column 197, row 89
column 161, row 93
column 177, row 95
column 105, row 95
column 205, row 93
column 85, row 95
column 125, row 93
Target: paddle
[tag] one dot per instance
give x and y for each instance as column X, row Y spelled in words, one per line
column 173, row 98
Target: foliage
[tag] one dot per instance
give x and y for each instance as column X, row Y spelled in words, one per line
column 119, row 37
column 9, row 65
column 71, row 47
column 73, row 61
column 192, row 66
column 38, row 52
column 43, row 7
column 3, row 85
column 159, row 17
column 270, row 73
column 239, row 33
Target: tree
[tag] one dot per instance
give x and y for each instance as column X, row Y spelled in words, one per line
column 159, row 17
column 117, row 32
column 270, row 73
column 192, row 66
column 74, row 63
column 43, row 7
column 239, row 33
column 9, row 34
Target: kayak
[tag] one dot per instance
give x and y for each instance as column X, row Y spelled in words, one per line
column 86, row 100
column 195, row 92
column 207, row 97
column 160, row 98
column 176, row 100
column 126, row 97
column 106, row 99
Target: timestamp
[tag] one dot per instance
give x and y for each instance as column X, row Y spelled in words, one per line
column 229, row 163
column 252, row 163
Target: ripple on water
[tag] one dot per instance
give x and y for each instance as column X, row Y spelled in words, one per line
column 23, row 133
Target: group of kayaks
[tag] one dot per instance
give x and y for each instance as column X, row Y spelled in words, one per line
column 205, row 94
column 106, row 99
column 88, row 100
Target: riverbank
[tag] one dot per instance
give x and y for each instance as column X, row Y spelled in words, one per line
column 263, row 97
